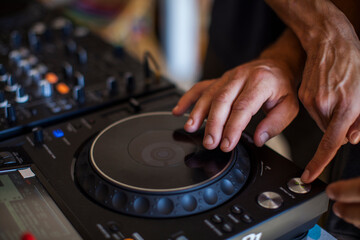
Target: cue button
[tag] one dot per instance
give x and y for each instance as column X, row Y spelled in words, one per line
column 297, row 186
column 270, row 200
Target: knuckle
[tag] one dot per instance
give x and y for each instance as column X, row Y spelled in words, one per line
column 212, row 123
column 321, row 102
column 328, row 144
column 240, row 105
column 222, row 97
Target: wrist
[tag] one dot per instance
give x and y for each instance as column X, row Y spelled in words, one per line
column 313, row 22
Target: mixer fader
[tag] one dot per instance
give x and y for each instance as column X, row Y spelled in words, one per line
column 53, row 69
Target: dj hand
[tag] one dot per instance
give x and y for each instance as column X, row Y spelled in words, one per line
column 230, row 101
column 346, row 194
column 330, row 91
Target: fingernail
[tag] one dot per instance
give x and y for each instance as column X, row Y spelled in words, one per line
column 190, row 122
column 264, row 137
column 355, row 137
column 176, row 108
column 336, row 210
column 225, row 143
column 330, row 194
column 305, row 176
column 208, row 140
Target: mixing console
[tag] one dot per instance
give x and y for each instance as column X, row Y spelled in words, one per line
column 53, row 69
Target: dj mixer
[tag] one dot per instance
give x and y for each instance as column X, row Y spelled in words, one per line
column 90, row 150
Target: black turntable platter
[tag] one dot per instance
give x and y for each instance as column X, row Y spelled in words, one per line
column 148, row 165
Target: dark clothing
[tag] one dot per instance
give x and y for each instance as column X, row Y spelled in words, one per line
column 239, row 31
column 346, row 166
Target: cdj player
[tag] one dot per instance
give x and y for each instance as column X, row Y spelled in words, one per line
column 89, row 150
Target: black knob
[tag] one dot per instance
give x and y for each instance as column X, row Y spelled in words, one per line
column 38, row 135
column 130, row 82
column 11, row 84
column 34, row 41
column 35, row 75
column 67, row 70
column 39, row 28
column 10, row 113
column 3, row 73
column 21, row 96
column 15, row 56
column 24, row 67
column 15, row 39
column 81, row 55
column 79, row 79
column 112, row 85
column 3, row 101
column 67, row 28
column 2, row 70
column 70, row 47
column 79, row 94
column 45, row 88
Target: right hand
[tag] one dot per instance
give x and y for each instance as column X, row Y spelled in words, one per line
column 230, row 101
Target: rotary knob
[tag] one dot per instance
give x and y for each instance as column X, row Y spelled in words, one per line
column 67, row 70
column 38, row 135
column 130, row 82
column 270, row 200
column 81, row 55
column 3, row 101
column 79, row 94
column 11, row 84
column 70, row 47
column 10, row 113
column 112, row 85
column 34, row 41
column 46, row 89
column 15, row 39
column 79, row 79
column 3, row 73
column 21, row 96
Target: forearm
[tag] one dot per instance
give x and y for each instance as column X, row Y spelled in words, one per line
column 288, row 50
column 315, row 21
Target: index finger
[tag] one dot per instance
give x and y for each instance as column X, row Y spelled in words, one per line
column 331, row 141
column 190, row 97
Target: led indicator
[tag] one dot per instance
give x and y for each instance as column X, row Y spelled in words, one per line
column 58, row 133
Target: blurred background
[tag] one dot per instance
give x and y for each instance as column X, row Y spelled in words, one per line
column 175, row 32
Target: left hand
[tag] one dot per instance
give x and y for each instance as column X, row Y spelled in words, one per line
column 346, row 194
column 330, row 91
column 230, row 102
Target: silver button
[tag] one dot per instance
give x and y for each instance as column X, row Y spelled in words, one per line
column 270, row 200
column 297, row 186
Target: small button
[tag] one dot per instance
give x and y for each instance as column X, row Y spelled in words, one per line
column 51, row 77
column 227, row 227
column 216, row 218
column 246, row 218
column 270, row 200
column 236, row 209
column 297, row 186
column 62, row 88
